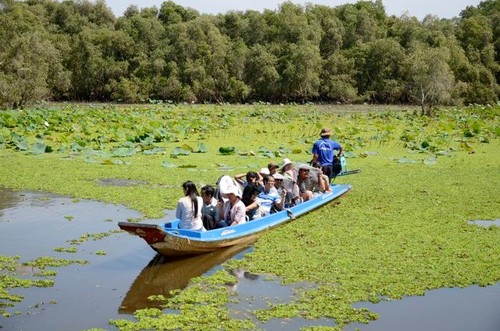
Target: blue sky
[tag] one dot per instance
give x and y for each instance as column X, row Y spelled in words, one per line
column 418, row 8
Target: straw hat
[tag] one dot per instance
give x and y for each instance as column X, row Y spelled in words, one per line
column 325, row 132
column 272, row 165
column 264, row 171
column 286, row 162
column 278, row 176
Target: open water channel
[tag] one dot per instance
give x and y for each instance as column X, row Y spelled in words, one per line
column 123, row 271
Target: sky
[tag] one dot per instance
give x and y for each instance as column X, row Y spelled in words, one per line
column 417, row 8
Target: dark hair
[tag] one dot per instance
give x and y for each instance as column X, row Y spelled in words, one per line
column 248, row 191
column 266, row 178
column 192, row 192
column 250, row 175
column 208, row 190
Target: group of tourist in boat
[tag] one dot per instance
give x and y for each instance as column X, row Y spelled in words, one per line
column 252, row 195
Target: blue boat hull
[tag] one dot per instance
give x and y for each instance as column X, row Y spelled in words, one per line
column 167, row 239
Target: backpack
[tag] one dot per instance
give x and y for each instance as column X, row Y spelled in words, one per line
column 336, row 166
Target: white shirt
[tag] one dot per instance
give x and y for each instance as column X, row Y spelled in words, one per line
column 184, row 213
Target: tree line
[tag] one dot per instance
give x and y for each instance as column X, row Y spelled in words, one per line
column 79, row 51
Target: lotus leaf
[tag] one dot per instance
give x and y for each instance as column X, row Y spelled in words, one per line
column 430, row 161
column 179, row 151
column 406, row 160
column 167, row 164
column 186, row 147
column 123, row 151
column 350, row 154
column 156, row 150
column 227, row 150
column 19, row 142
column 38, row 148
column 201, row 148
column 91, row 160
column 93, row 152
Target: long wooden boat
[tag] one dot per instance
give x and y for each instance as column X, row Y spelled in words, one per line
column 167, row 239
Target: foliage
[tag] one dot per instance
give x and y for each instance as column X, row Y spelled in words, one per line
column 89, row 145
column 79, row 51
column 431, row 81
column 402, row 231
column 10, row 278
column 202, row 306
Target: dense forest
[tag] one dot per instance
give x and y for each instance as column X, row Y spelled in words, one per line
column 79, row 51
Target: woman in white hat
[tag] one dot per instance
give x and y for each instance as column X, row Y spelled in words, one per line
column 290, row 181
column 287, row 169
column 233, row 211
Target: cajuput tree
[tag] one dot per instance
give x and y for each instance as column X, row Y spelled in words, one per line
column 430, row 79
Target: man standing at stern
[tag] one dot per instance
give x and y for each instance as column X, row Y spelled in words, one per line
column 323, row 152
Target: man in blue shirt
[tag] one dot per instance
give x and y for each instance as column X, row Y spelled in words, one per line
column 323, row 152
column 269, row 199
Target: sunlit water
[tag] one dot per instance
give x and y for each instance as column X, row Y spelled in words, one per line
column 112, row 286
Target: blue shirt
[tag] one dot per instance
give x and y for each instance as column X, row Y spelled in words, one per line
column 324, row 148
column 266, row 200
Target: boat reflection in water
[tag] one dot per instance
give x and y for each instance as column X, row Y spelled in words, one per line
column 164, row 274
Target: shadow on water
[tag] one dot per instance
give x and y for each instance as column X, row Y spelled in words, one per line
column 8, row 199
column 162, row 275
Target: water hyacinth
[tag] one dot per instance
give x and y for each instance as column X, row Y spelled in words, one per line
column 403, row 229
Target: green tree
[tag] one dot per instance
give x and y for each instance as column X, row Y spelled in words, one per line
column 300, row 71
column 202, row 54
column 97, row 58
column 363, row 21
column 338, row 78
column 431, row 81
column 261, row 73
column 381, row 76
column 25, row 68
column 332, row 29
column 30, row 64
column 172, row 13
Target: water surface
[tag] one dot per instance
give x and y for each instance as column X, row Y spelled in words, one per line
column 114, row 285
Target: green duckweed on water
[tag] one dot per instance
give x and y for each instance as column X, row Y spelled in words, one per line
column 202, row 306
column 11, row 277
column 402, row 230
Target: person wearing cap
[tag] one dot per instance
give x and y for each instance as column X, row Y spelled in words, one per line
column 278, row 182
column 273, row 168
column 290, row 182
column 310, row 182
column 282, row 191
column 323, row 152
column 288, row 170
column 233, row 211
